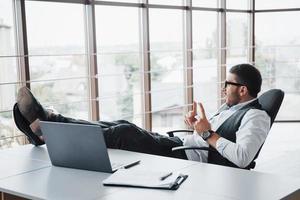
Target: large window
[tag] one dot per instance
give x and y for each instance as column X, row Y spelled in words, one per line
column 57, row 58
column 138, row 59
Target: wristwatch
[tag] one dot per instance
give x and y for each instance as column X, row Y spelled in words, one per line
column 206, row 134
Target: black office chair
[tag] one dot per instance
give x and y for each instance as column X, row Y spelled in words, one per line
column 270, row 101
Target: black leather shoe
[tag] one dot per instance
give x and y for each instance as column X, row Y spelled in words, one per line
column 23, row 125
column 30, row 107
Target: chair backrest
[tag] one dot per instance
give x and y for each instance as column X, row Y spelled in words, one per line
column 271, row 102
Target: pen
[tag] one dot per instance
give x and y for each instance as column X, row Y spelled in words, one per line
column 165, row 176
column 132, row 164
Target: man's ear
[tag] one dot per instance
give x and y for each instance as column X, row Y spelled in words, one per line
column 243, row 91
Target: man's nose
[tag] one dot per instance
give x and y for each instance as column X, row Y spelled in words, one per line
column 224, row 90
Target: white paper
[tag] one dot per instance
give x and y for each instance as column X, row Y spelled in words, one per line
column 141, row 178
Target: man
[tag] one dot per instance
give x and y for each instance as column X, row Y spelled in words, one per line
column 240, row 127
column 236, row 131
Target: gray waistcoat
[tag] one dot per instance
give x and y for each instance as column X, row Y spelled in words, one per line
column 228, row 130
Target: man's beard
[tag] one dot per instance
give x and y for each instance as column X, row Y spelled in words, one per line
column 237, row 98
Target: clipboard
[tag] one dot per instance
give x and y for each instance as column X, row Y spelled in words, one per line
column 145, row 179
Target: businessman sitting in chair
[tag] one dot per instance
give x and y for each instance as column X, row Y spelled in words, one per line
column 236, row 132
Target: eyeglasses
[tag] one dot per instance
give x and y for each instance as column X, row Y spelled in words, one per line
column 232, row 83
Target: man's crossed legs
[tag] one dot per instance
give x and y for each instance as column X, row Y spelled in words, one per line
column 118, row 134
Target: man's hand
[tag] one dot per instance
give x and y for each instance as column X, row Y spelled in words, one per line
column 202, row 124
column 190, row 116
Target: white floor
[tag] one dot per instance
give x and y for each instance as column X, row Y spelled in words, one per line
column 281, row 151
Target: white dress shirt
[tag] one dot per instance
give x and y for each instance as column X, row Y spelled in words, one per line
column 251, row 134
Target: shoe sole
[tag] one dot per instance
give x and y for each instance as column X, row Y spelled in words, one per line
column 24, row 126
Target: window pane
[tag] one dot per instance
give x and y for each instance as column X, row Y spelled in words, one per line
column 238, row 4
column 58, row 30
column 9, row 134
column 76, row 108
column 237, row 38
column 7, row 96
column 47, row 74
column 167, row 85
column 167, row 2
column 124, row 1
column 277, row 56
column 7, row 28
column 8, row 65
column 57, row 67
column 64, row 96
column 8, row 68
column 120, row 32
column 205, row 59
column 8, row 76
column 120, row 87
column 165, row 30
column 276, row 4
column 119, row 63
column 55, row 42
column 285, row 34
column 205, row 3
column 50, row 87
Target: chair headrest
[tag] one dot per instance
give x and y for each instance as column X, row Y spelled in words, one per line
column 271, row 102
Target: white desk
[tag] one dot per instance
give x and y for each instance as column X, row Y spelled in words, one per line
column 204, row 182
column 212, row 182
column 31, row 152
column 62, row 183
column 21, row 160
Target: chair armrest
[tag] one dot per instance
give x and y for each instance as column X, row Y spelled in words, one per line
column 171, row 133
column 191, row 148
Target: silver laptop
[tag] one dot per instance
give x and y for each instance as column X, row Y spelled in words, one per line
column 79, row 146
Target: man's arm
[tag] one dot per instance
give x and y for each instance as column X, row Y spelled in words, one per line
column 251, row 135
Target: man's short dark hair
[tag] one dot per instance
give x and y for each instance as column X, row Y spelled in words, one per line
column 249, row 76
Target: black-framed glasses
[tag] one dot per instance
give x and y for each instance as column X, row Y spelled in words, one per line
column 232, row 83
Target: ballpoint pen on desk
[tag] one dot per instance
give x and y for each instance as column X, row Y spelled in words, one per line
column 165, row 176
column 132, row 164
